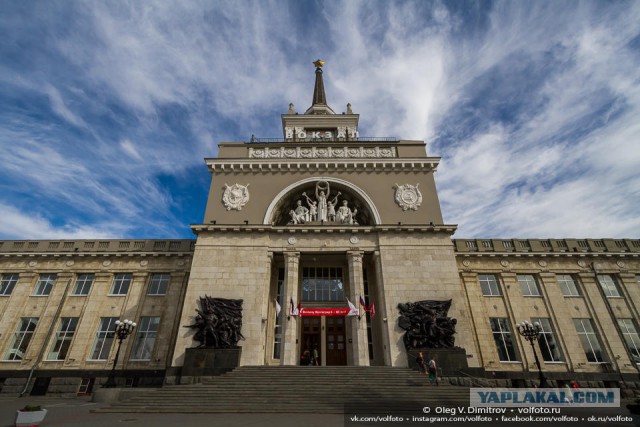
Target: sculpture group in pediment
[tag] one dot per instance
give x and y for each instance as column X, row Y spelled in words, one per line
column 323, row 209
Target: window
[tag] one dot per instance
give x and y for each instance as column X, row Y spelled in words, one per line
column 104, row 338
column 608, row 285
column 145, row 338
column 277, row 332
column 528, row 285
column 567, row 285
column 45, row 284
column 548, row 345
column 589, row 339
column 121, row 284
column 489, row 285
column 504, row 339
column 158, row 284
column 22, row 338
column 86, row 386
column 8, row 282
column 83, row 284
column 63, row 338
column 630, row 334
column 322, row 284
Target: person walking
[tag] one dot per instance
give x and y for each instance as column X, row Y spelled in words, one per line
column 433, row 371
column 422, row 366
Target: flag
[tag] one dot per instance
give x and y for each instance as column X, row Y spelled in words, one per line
column 372, row 310
column 353, row 311
column 294, row 311
column 278, row 308
column 299, row 309
column 364, row 306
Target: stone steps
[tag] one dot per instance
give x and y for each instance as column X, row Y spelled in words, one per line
column 297, row 389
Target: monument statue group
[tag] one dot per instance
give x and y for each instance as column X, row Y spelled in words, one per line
column 323, row 209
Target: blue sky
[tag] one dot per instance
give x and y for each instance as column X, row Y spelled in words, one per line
column 107, row 109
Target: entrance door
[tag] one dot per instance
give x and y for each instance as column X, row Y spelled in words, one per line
column 311, row 336
column 336, row 346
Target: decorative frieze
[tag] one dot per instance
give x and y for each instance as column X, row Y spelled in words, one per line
column 315, row 152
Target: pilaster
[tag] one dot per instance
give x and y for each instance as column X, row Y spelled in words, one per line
column 290, row 327
column 357, row 327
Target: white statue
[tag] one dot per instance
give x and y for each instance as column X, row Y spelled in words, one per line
column 345, row 215
column 331, row 208
column 313, row 208
column 300, row 215
column 322, row 201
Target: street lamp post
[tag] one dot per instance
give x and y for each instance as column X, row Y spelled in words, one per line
column 531, row 332
column 123, row 330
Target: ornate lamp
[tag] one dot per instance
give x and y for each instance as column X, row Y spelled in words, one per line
column 531, row 332
column 123, row 330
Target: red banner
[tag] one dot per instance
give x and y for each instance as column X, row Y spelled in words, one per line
column 324, row 311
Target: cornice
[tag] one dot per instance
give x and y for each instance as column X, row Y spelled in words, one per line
column 315, row 229
column 316, row 165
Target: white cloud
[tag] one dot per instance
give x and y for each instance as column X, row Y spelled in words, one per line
column 59, row 107
column 533, row 106
column 128, row 147
column 19, row 225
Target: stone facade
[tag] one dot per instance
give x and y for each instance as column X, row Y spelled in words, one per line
column 318, row 219
column 30, row 261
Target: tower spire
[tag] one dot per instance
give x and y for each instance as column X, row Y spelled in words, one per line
column 319, row 104
column 319, row 96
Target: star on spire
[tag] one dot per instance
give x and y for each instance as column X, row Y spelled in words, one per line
column 318, row 63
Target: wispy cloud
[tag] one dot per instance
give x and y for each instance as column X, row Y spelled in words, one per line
column 107, row 109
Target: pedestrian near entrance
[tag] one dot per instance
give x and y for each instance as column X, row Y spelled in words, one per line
column 316, row 357
column 422, row 366
column 305, row 359
column 433, row 372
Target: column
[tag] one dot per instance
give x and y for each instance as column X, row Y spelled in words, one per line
column 290, row 327
column 358, row 328
column 381, row 308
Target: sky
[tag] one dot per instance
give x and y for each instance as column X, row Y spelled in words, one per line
column 107, row 109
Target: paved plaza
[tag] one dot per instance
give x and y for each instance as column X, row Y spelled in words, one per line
column 76, row 412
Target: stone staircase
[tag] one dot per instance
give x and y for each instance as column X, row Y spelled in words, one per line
column 299, row 389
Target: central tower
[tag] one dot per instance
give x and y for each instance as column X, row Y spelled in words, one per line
column 322, row 217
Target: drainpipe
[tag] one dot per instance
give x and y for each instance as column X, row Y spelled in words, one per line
column 45, row 342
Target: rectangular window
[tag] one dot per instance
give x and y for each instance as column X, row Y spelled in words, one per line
column 86, row 386
column 121, row 283
column 528, row 285
column 589, row 339
column 45, row 284
column 608, row 285
column 83, row 284
column 104, row 338
column 489, row 285
column 322, row 284
column 547, row 341
column 8, row 282
column 158, row 284
column 277, row 333
column 629, row 331
column 22, row 338
column 145, row 338
column 504, row 339
column 567, row 285
column 63, row 338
